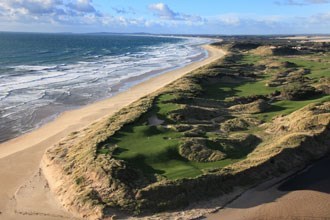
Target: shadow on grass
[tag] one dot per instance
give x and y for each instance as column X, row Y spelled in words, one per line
column 139, row 162
column 144, row 163
column 220, row 91
column 233, row 149
column 274, row 108
column 241, row 152
column 152, row 130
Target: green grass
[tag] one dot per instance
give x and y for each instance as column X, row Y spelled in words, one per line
column 146, row 140
column 318, row 69
column 286, row 107
column 163, row 106
column 254, row 88
column 221, row 91
column 251, row 59
column 155, row 150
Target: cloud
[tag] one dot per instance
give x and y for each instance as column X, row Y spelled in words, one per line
column 83, row 16
column 270, row 24
column 301, row 2
column 62, row 15
column 31, row 6
column 128, row 10
column 321, row 19
column 44, row 11
column 163, row 12
column 229, row 19
column 84, row 6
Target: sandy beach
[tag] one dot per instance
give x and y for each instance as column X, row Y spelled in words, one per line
column 24, row 193
column 305, row 196
column 309, row 38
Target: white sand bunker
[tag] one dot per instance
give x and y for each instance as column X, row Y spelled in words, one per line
column 154, row 121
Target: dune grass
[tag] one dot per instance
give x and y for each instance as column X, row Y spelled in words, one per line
column 318, row 69
column 319, row 66
column 221, row 91
column 154, row 149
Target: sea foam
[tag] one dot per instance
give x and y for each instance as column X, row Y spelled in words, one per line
column 31, row 89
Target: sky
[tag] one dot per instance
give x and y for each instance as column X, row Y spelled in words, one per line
column 222, row 17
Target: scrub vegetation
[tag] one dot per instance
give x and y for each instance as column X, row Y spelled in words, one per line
column 262, row 110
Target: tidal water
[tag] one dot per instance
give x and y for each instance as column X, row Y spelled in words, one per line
column 42, row 75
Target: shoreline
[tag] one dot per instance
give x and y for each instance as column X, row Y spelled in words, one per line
column 20, row 157
column 12, row 146
column 50, row 112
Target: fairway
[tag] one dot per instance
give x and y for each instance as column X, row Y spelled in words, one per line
column 155, row 149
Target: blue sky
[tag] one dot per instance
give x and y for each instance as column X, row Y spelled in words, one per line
column 167, row 16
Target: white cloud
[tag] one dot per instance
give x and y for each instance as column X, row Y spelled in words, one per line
column 128, row 10
column 74, row 11
column 229, row 19
column 322, row 18
column 81, row 15
column 58, row 13
column 270, row 24
column 84, row 6
column 163, row 11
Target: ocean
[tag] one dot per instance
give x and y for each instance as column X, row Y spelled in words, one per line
column 43, row 75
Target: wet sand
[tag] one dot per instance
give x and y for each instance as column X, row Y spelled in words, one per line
column 23, row 192
column 305, row 196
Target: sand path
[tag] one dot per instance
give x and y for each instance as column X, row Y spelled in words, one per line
column 23, row 192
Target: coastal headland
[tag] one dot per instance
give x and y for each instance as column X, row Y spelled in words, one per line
column 258, row 113
column 20, row 157
column 184, row 144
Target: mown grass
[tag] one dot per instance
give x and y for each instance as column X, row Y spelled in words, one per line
column 286, row 107
column 221, row 91
column 251, row 59
column 254, row 88
column 319, row 68
column 164, row 106
column 154, row 149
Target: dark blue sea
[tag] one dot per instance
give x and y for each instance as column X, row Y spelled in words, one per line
column 42, row 75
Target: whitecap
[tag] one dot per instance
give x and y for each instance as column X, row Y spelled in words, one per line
column 90, row 79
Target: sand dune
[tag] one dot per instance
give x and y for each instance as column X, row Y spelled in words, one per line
column 23, row 194
column 309, row 38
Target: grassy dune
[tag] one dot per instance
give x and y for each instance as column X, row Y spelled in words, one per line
column 154, row 149
column 235, row 122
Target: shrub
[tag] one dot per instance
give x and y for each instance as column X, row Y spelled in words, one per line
column 298, row 91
